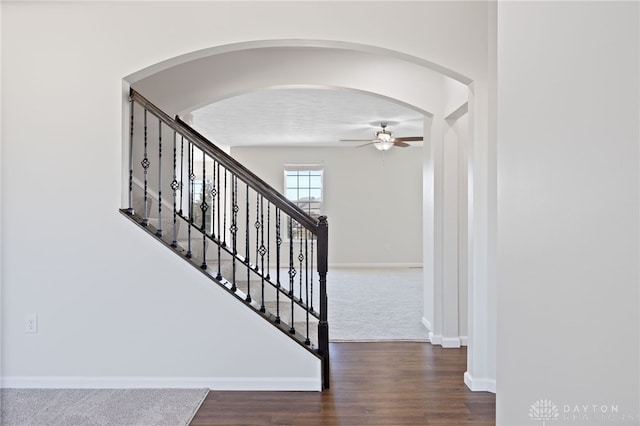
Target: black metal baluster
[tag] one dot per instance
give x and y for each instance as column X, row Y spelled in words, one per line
column 145, row 165
column 130, row 210
column 258, row 225
column 312, row 272
column 224, row 223
column 292, row 273
column 213, row 192
column 174, row 188
column 262, row 251
column 181, row 172
column 192, row 178
column 268, row 240
column 203, row 208
column 300, row 259
column 159, row 232
column 219, row 276
column 234, row 227
column 247, row 245
column 278, row 244
column 307, row 341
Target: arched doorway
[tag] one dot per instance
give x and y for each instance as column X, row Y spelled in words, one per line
column 190, row 81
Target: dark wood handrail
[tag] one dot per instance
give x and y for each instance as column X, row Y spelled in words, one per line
column 231, row 164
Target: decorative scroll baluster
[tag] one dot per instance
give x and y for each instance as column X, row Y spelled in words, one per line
column 192, row 178
column 130, row 209
column 145, row 165
column 268, row 240
column 300, row 259
column 203, row 208
column 257, row 226
column 159, row 232
column 219, row 276
column 292, row 273
column 247, row 245
column 174, row 189
column 262, row 251
column 234, row 227
column 278, row 244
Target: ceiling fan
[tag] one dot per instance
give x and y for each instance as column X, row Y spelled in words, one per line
column 384, row 139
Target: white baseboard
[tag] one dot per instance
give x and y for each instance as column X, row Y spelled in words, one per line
column 450, row 342
column 476, row 384
column 445, row 342
column 214, row 383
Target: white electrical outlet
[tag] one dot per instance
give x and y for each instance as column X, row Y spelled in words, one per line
column 31, row 323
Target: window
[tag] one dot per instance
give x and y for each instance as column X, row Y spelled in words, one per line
column 303, row 186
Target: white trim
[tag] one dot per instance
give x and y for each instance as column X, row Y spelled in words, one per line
column 459, row 112
column 479, row 385
column 445, row 342
column 214, row 383
column 435, row 339
column 374, row 265
column 450, row 342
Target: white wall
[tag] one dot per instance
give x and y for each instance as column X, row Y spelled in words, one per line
column 1, row 210
column 373, row 199
column 105, row 298
column 568, row 168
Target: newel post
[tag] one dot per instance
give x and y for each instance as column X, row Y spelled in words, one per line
column 323, row 324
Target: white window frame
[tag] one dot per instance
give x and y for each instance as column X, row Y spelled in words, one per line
column 313, row 207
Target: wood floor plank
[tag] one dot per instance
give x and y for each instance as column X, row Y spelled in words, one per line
column 382, row 383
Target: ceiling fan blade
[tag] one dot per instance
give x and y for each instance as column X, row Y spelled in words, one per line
column 355, row 140
column 366, row 144
column 400, row 144
column 410, row 139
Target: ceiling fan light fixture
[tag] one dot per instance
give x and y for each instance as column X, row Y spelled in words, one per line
column 383, row 145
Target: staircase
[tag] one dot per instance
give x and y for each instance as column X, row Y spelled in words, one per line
column 228, row 223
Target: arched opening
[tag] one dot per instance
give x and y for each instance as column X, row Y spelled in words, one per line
column 184, row 84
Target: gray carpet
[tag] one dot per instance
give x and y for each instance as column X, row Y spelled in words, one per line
column 80, row 407
column 375, row 304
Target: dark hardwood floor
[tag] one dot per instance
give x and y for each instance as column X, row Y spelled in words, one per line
column 388, row 383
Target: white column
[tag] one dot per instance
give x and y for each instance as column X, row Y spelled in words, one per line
column 428, row 226
column 442, row 232
column 482, row 234
column 480, row 374
column 449, row 300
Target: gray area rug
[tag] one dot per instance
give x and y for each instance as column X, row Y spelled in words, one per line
column 375, row 304
column 80, row 407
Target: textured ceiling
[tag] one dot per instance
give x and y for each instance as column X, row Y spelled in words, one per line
column 303, row 117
